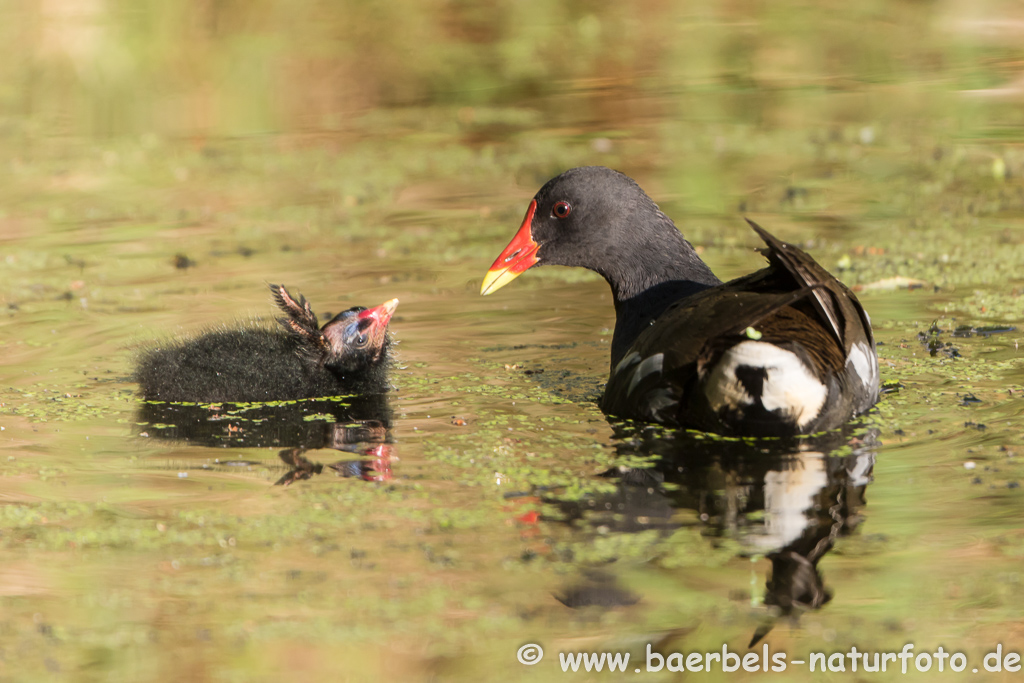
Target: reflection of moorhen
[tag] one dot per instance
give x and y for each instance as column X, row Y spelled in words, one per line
column 785, row 350
column 348, row 355
column 788, row 501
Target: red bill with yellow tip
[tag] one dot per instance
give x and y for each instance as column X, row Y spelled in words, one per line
column 516, row 259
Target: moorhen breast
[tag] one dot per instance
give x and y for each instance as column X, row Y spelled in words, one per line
column 785, row 350
column 300, row 359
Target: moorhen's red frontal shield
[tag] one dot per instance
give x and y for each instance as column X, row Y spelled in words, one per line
column 516, row 259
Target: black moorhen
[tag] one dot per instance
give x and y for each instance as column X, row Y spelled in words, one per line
column 785, row 350
column 348, row 355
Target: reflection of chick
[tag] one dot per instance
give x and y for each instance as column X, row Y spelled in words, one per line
column 347, row 355
column 376, row 469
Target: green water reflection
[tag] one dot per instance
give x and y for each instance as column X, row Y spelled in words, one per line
column 163, row 161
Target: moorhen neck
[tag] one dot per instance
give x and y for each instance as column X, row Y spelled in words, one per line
column 300, row 359
column 785, row 350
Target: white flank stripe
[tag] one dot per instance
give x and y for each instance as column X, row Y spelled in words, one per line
column 865, row 364
column 627, row 361
column 652, row 364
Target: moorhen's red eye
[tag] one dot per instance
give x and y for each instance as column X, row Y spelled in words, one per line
column 561, row 209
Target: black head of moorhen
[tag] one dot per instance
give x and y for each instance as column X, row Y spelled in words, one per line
column 300, row 359
column 785, row 350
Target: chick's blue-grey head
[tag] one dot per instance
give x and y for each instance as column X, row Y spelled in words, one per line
column 357, row 338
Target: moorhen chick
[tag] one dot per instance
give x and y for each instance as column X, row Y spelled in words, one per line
column 785, row 350
column 348, row 355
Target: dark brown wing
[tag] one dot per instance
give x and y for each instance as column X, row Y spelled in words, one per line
column 684, row 333
column 837, row 305
column 687, row 327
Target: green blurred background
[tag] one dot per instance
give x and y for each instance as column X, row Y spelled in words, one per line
column 725, row 107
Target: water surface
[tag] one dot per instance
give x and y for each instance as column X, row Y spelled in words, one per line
column 152, row 190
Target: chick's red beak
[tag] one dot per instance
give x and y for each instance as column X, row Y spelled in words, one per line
column 516, row 259
column 379, row 317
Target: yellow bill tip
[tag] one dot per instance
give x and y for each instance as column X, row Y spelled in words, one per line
column 496, row 279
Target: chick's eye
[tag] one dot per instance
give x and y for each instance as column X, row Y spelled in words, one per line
column 361, row 340
column 561, row 209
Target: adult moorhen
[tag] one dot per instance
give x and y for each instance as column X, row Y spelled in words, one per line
column 348, row 355
column 785, row 350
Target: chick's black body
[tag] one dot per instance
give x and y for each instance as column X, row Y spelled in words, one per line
column 348, row 355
